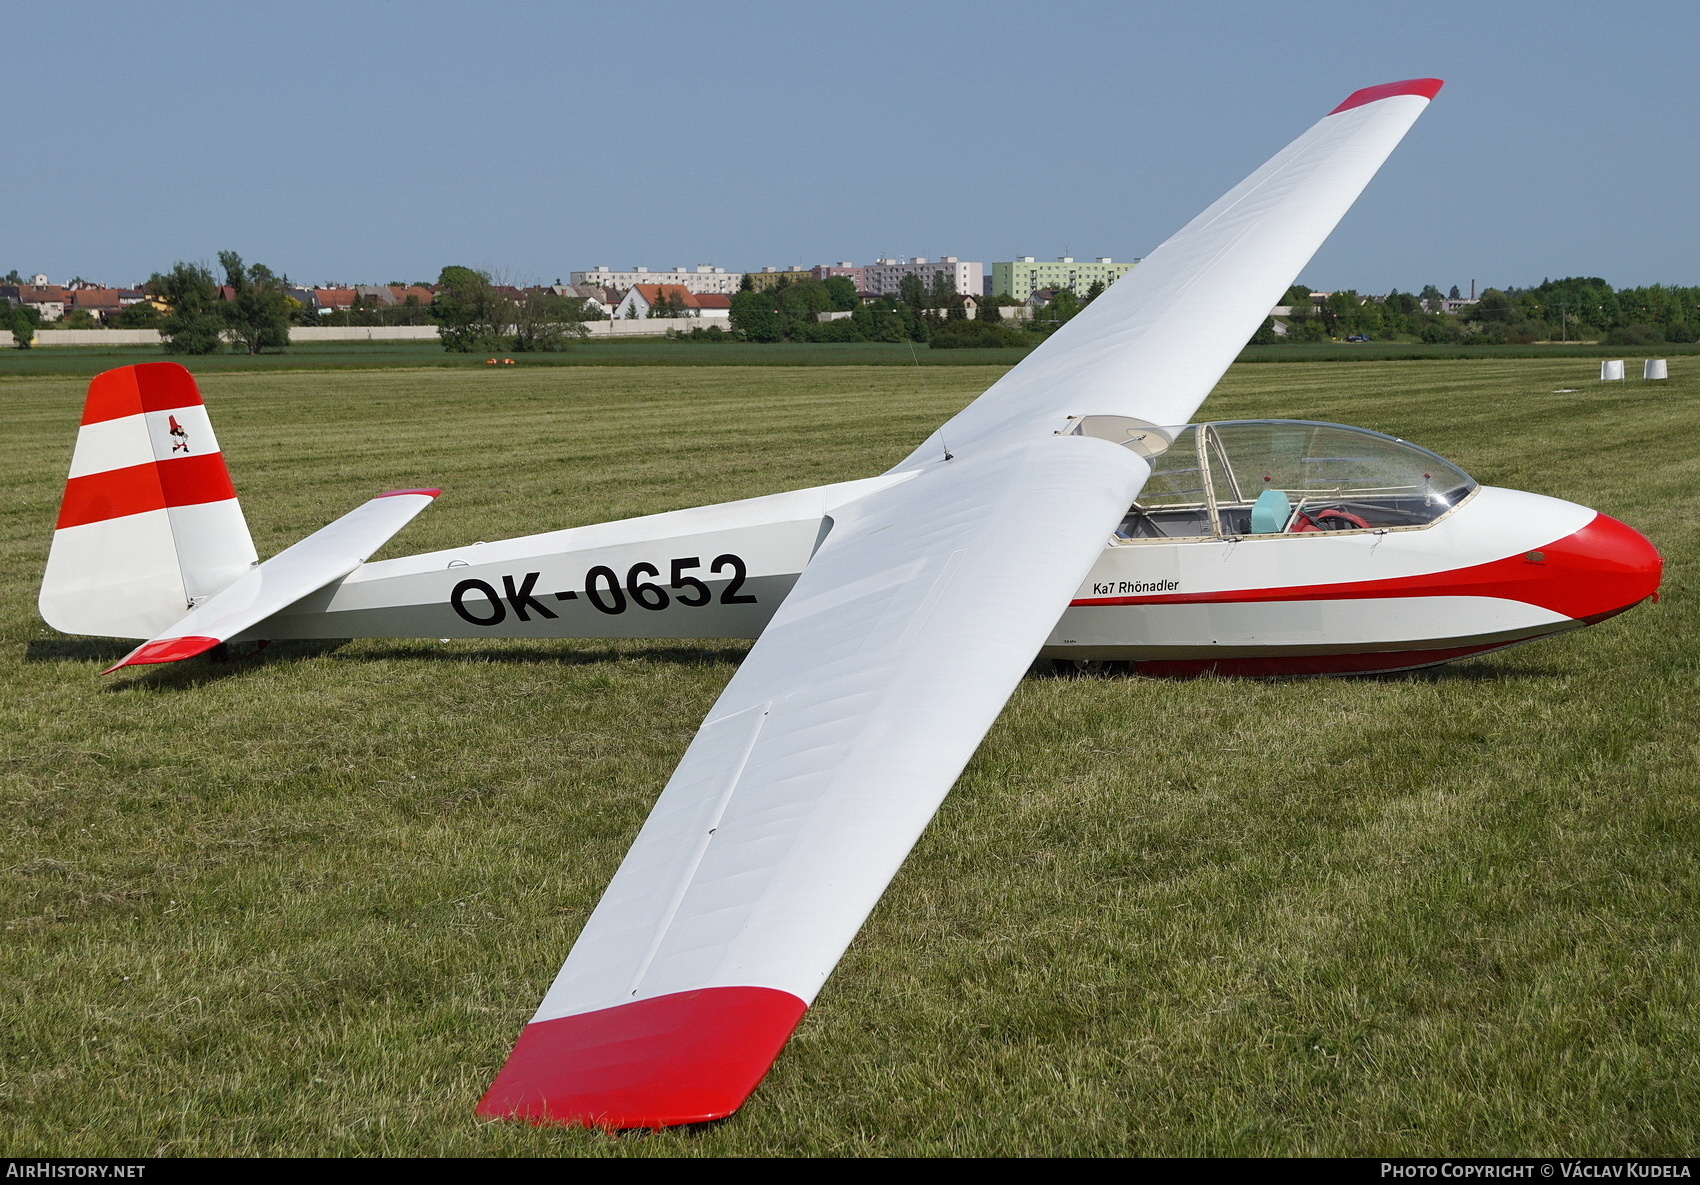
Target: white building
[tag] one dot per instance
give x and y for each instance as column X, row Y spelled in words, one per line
column 884, row 276
column 640, row 299
column 702, row 279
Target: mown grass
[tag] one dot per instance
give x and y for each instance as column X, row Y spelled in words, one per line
column 392, row 355
column 302, row 905
column 89, row 360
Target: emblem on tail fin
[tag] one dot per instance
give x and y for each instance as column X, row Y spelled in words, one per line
column 179, row 436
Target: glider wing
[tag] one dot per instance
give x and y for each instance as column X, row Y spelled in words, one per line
column 325, row 556
column 1155, row 343
column 810, row 780
column 823, row 760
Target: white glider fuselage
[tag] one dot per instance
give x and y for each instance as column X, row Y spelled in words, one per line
column 1346, row 598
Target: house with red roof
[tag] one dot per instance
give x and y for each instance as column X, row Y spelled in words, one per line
column 331, row 300
column 640, row 299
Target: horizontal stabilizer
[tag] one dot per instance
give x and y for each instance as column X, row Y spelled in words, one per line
column 322, row 558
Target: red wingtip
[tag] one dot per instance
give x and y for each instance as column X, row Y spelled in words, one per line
column 164, row 650
column 1428, row 88
column 690, row 1057
column 398, row 493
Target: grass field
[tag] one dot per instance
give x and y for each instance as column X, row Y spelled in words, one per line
column 302, row 905
column 90, row 360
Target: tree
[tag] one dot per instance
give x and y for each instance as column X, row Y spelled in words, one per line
column 944, row 291
column 543, row 321
column 11, row 277
column 258, row 309
column 22, row 321
column 755, row 315
column 842, row 290
column 1635, row 334
column 1494, row 306
column 471, row 315
column 1062, row 308
column 141, row 315
column 194, row 324
column 1402, row 303
column 912, row 292
column 1453, row 295
column 302, row 314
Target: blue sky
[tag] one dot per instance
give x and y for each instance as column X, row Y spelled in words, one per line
column 365, row 142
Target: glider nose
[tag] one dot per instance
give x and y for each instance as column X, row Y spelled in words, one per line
column 1606, row 567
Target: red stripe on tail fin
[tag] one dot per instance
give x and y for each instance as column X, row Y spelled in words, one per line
column 136, row 489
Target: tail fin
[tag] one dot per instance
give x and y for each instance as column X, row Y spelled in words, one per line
column 150, row 523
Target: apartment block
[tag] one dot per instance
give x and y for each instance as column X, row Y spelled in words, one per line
column 1023, row 276
column 883, row 277
column 704, row 278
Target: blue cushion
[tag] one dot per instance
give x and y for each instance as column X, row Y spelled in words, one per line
column 1269, row 514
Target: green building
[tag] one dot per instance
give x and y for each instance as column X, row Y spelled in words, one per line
column 1020, row 278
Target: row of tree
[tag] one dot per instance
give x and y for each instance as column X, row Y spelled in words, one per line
column 252, row 311
column 935, row 314
column 1574, row 309
column 474, row 315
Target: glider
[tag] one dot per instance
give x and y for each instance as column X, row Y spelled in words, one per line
column 1071, row 512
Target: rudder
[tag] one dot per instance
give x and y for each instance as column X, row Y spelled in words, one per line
column 149, row 524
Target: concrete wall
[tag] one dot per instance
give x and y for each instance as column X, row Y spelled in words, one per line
column 358, row 333
column 302, row 335
column 650, row 327
column 299, row 335
column 89, row 337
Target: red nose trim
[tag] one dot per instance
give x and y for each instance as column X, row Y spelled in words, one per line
column 1605, row 567
column 689, row 1057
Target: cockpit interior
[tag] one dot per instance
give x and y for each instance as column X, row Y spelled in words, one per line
column 1240, row 478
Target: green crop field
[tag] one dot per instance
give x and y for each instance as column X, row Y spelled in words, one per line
column 301, row 905
column 48, row 359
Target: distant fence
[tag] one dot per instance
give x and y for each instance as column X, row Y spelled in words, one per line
column 303, row 335
column 299, row 335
